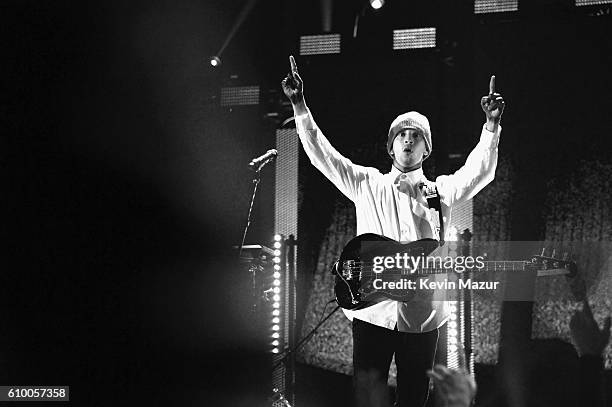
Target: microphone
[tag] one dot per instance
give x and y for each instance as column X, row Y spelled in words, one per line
column 258, row 163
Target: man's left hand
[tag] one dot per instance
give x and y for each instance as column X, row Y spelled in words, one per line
column 493, row 106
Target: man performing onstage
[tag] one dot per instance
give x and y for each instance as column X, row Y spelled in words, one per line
column 393, row 205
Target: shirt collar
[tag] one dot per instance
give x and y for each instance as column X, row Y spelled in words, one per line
column 413, row 175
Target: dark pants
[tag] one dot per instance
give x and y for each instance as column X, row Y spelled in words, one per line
column 373, row 348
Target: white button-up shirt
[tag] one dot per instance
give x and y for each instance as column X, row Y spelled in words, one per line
column 392, row 205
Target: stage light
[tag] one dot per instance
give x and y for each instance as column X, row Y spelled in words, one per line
column 215, row 61
column 274, row 343
column 592, row 2
column 275, row 320
column 277, row 237
column 275, row 327
column 277, row 245
column 495, row 6
column 276, row 282
column 319, row 44
column 376, row 4
column 414, row 38
column 452, row 336
column 276, row 275
column 275, row 350
column 277, row 252
column 275, row 335
column 276, row 260
column 275, row 312
column 276, row 298
column 276, row 290
column 276, row 304
column 239, row 95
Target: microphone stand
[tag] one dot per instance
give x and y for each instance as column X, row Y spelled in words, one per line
column 256, row 180
column 307, row 337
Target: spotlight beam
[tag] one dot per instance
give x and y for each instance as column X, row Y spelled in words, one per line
column 326, row 15
column 237, row 23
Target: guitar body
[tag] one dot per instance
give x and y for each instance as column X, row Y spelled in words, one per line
column 354, row 279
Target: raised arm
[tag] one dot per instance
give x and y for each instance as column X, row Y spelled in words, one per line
column 338, row 169
column 479, row 168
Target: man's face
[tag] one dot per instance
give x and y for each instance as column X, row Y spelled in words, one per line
column 408, row 148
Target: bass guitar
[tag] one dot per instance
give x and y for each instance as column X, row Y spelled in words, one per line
column 373, row 268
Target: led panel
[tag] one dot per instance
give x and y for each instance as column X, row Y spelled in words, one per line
column 592, row 2
column 240, row 95
column 286, row 183
column 495, row 6
column 285, row 222
column 414, row 38
column 320, row 44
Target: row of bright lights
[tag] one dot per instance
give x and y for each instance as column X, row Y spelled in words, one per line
column 492, row 6
column 412, row 38
column 452, row 335
column 276, row 290
column 480, row 7
column 497, row 6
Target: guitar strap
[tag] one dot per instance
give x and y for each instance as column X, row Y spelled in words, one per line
column 430, row 191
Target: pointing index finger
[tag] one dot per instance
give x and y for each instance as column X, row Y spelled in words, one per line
column 293, row 64
column 492, row 85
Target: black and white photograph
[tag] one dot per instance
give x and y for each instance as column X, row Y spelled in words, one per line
column 326, row 203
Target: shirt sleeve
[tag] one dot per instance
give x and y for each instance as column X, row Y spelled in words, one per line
column 475, row 174
column 345, row 175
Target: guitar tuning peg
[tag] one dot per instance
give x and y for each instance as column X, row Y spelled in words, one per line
column 553, row 253
column 543, row 251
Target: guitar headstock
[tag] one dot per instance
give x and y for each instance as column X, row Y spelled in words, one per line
column 552, row 266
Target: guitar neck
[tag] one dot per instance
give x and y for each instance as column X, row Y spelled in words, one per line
column 491, row 266
column 503, row 265
column 517, row 265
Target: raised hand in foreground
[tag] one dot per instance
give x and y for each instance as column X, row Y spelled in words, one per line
column 585, row 333
column 457, row 388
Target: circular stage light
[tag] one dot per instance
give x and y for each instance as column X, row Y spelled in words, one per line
column 376, row 4
column 215, row 61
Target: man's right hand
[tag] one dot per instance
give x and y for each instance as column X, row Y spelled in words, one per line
column 294, row 87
